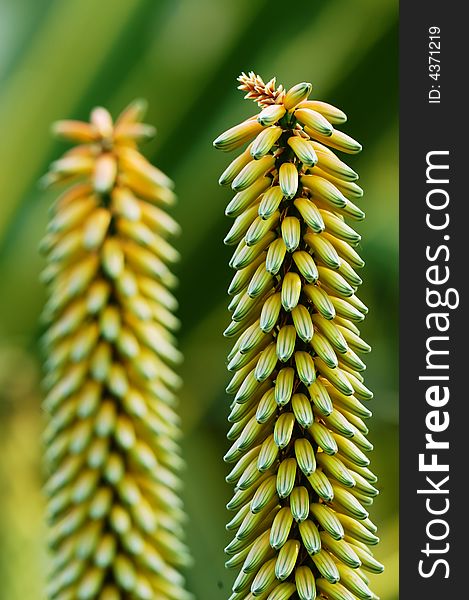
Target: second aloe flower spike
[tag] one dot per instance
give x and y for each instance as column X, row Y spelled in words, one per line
column 112, row 436
column 302, row 486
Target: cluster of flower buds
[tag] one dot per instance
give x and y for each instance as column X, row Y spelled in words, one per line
column 302, row 486
column 112, row 451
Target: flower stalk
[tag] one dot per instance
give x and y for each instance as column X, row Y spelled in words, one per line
column 110, row 351
column 302, row 486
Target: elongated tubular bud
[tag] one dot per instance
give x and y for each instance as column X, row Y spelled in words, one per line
column 314, row 121
column 296, row 94
column 271, row 114
column 304, row 150
column 306, row 418
column 251, row 172
column 288, row 179
column 112, row 451
column 265, row 141
column 332, row 114
column 237, row 135
column 235, row 167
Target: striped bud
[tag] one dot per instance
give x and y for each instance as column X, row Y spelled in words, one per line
column 237, row 136
column 275, row 256
column 303, row 323
column 314, row 121
column 320, row 300
column 271, row 114
column 329, row 163
column 310, row 536
column 328, row 520
column 284, row 428
column 334, row 591
column 259, row 228
column 305, row 583
column 305, row 367
column 266, row 407
column 324, row 350
column 281, row 527
column 267, row 363
column 351, row 506
column 344, row 250
column 334, row 467
column 286, row 560
column 270, row 202
column 298, row 93
column 346, row 310
column 324, row 190
column 270, row 313
column 284, row 591
column 299, row 503
column 356, row 530
column 304, row 150
column 343, row 551
column 286, row 342
column 267, row 455
column 320, row 398
column 240, row 227
column 286, row 477
column 353, row 582
column 368, row 562
column 263, row 495
column 333, row 333
column 304, row 452
column 349, row 274
column 260, row 282
column 326, row 567
column 338, row 140
column 310, row 214
column 235, row 167
column 259, row 552
column 338, row 228
column 302, row 409
column 288, row 179
column 336, row 376
column 291, row 290
column 321, row 485
column 333, row 115
column 338, row 423
column 306, row 265
column 348, row 449
column 264, row 578
column 244, row 199
column 291, row 231
column 324, row 438
column 251, row 172
column 264, row 141
column 323, row 249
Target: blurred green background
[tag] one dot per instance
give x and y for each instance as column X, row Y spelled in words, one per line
column 58, row 58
